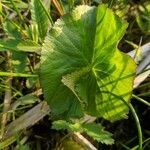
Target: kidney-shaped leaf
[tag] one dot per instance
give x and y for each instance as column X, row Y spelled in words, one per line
column 81, row 68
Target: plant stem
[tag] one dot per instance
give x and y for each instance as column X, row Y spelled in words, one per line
column 144, row 85
column 141, row 100
column 17, row 26
column 144, row 94
column 83, row 141
column 124, row 146
column 135, row 147
column 111, row 3
column 7, row 97
column 134, row 115
column 17, row 74
column 138, row 126
column 58, row 7
column 7, row 101
column 17, row 11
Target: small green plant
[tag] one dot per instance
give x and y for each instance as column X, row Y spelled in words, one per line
column 74, row 60
column 82, row 70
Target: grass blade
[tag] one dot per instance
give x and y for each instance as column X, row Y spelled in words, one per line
column 17, row 74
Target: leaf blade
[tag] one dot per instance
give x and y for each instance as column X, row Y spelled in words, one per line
column 19, row 45
column 39, row 16
column 82, row 40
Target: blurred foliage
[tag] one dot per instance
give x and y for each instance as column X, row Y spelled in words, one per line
column 143, row 17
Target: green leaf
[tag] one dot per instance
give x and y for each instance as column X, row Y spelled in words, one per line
column 19, row 61
column 81, row 65
column 10, row 74
column 95, row 131
column 62, row 124
column 11, row 30
column 25, row 100
column 19, row 4
column 143, row 17
column 39, row 16
column 19, row 45
column 33, row 33
column 31, row 82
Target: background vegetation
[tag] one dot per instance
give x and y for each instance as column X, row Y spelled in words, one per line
column 23, row 27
